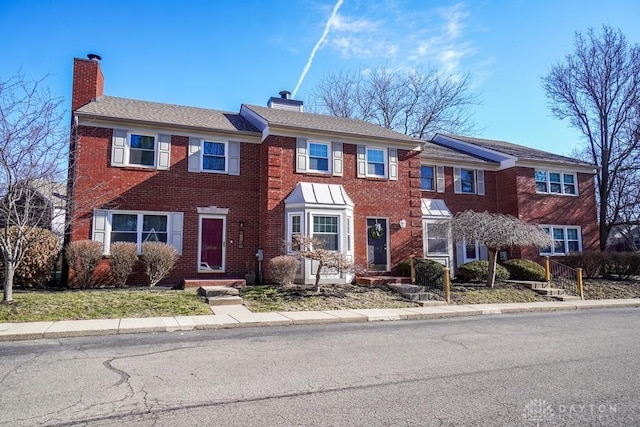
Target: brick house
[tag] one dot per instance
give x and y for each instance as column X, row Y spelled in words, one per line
column 223, row 187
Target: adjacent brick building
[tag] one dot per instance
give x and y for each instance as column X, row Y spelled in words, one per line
column 226, row 187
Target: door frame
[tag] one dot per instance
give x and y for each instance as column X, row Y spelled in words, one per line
column 223, row 242
column 386, row 237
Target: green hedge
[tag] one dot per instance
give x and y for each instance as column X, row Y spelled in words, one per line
column 617, row 265
column 524, row 269
column 476, row 271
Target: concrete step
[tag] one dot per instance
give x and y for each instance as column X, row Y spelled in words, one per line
column 194, row 283
column 217, row 291
column 431, row 303
column 405, row 288
column 566, row 297
column 549, row 291
column 381, row 280
column 225, row 300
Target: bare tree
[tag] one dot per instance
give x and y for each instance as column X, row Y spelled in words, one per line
column 32, row 151
column 597, row 88
column 328, row 261
column 496, row 232
column 417, row 102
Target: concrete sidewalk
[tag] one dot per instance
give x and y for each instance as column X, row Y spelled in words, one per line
column 238, row 316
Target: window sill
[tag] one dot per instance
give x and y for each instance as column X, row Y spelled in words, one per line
column 137, row 168
column 210, row 271
column 556, row 194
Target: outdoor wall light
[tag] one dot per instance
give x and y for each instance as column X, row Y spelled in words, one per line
column 403, row 223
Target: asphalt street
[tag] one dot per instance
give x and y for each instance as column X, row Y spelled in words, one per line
column 563, row 368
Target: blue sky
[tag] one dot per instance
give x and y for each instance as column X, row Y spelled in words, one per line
column 220, row 54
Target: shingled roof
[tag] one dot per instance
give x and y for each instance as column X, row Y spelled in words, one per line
column 323, row 122
column 519, row 151
column 109, row 107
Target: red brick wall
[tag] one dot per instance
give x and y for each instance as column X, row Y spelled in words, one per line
column 100, row 186
column 88, row 82
column 395, row 200
column 559, row 210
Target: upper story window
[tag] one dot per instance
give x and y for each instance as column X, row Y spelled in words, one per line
column 214, row 156
column 556, row 182
column 468, row 181
column 139, row 149
column 566, row 239
column 142, row 149
column 318, row 157
column 427, row 178
column 376, row 161
column 208, row 155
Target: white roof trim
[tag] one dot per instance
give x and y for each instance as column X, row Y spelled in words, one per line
column 505, row 160
column 435, row 208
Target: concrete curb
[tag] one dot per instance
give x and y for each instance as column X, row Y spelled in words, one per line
column 239, row 316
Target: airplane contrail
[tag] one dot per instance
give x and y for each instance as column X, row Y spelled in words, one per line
column 317, row 46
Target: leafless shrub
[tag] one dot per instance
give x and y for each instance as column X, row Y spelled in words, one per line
column 328, row 261
column 159, row 259
column 83, row 257
column 123, row 257
column 282, row 269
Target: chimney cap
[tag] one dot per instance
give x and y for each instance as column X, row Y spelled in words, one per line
column 94, row 57
column 284, row 94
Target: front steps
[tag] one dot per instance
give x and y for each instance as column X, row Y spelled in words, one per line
column 544, row 289
column 415, row 293
column 220, row 295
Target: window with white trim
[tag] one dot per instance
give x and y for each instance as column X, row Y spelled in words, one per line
column 468, row 181
column 318, row 157
column 137, row 227
column 295, row 229
column 556, row 182
column 470, row 251
column 214, row 156
column 427, row 178
column 140, row 149
column 437, row 239
column 325, row 228
column 376, row 162
column 567, row 239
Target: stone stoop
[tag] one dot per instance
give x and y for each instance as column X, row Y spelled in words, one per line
column 559, row 294
column 382, row 280
column 220, row 295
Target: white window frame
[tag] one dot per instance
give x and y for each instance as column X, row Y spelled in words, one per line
column 338, row 228
column 550, row 229
column 224, row 242
column 474, row 190
column 434, row 178
column 428, row 237
column 290, row 232
column 139, row 223
column 464, row 251
column 329, row 157
column 385, row 162
column 130, row 134
column 547, row 181
column 226, row 156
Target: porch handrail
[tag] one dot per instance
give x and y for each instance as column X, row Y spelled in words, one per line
column 564, row 277
column 438, row 285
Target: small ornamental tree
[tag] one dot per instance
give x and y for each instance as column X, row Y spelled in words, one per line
column 496, row 232
column 328, row 261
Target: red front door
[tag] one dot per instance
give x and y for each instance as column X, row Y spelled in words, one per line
column 212, row 244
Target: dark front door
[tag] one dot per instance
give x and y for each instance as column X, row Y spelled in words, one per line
column 377, row 236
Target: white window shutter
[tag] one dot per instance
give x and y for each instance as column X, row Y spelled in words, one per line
column 194, row 154
column 99, row 231
column 301, row 155
column 337, row 158
column 119, row 148
column 440, row 179
column 457, row 184
column 176, row 220
column 393, row 164
column 480, row 178
column 234, row 158
column 164, row 151
column 362, row 161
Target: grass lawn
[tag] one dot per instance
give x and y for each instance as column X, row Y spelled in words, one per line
column 36, row 306
column 500, row 293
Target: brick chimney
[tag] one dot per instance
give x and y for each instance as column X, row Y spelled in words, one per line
column 88, row 81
